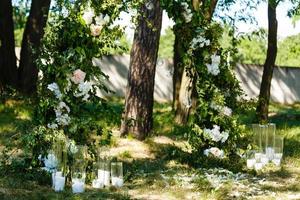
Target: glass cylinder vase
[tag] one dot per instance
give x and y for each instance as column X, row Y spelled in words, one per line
column 117, row 174
column 79, row 169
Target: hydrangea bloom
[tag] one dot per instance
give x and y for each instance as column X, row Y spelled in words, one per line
column 213, row 68
column 187, row 13
column 50, row 162
column 215, row 134
column 55, row 88
column 84, row 89
column 216, row 152
column 199, row 41
column 227, row 111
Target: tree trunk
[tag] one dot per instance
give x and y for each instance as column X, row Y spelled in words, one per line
column 137, row 117
column 8, row 66
column 178, row 68
column 264, row 95
column 33, row 33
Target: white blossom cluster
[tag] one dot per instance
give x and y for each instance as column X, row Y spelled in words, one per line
column 215, row 151
column 55, row 89
column 213, row 68
column 100, row 20
column 223, row 109
column 199, row 41
column 50, row 162
column 187, row 13
column 83, row 90
column 216, row 135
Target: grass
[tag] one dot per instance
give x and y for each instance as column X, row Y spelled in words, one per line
column 158, row 168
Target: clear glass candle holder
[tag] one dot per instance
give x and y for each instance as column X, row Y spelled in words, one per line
column 270, row 141
column 117, row 174
column 78, row 177
column 59, row 151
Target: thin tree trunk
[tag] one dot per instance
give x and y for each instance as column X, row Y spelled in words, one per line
column 137, row 117
column 8, row 65
column 264, row 95
column 178, row 68
column 33, row 33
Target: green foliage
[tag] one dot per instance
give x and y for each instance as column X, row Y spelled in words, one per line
column 69, row 81
column 289, row 51
column 252, row 48
column 216, row 91
column 166, row 44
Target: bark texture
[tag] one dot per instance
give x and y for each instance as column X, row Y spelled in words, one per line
column 33, row 33
column 137, row 117
column 262, row 109
column 8, row 66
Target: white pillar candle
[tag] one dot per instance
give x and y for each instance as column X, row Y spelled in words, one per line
column 258, row 166
column 117, row 181
column 106, row 180
column 59, row 183
column 77, row 186
column 276, row 161
column 251, row 163
column 97, row 183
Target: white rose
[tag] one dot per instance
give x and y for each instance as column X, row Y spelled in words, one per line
column 78, row 76
column 95, row 30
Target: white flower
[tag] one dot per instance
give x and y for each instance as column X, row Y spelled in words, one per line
column 95, row 29
column 216, row 152
column 62, row 119
column 227, row 111
column 187, row 13
column 55, row 88
column 52, row 126
column 88, row 16
column 50, row 162
column 106, row 19
column 215, row 106
column 78, row 76
column 213, row 68
column 84, row 89
column 225, row 136
column 63, row 105
column 99, row 20
column 215, row 134
column 72, row 146
column 199, row 41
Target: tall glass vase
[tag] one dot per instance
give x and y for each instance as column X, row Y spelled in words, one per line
column 270, row 142
column 79, row 169
column 59, row 150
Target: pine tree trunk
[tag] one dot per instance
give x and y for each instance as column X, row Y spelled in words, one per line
column 8, row 65
column 33, row 33
column 137, row 117
column 264, row 95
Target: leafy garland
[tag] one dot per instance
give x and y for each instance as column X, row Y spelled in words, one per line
column 215, row 129
column 69, row 82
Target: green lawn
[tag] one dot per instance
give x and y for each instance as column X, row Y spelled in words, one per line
column 158, row 168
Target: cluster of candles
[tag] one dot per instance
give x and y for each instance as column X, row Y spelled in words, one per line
column 105, row 173
column 268, row 147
